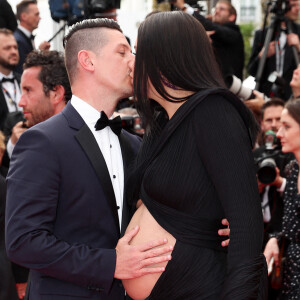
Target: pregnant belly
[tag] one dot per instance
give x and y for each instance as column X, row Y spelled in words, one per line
column 140, row 288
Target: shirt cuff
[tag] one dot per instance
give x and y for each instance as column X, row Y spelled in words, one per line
column 9, row 148
column 282, row 187
column 188, row 9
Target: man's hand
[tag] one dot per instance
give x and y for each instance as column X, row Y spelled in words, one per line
column 17, row 132
column 178, row 3
column 44, row 46
column 256, row 103
column 21, row 289
column 272, row 250
column 134, row 261
column 209, row 34
column 225, row 232
column 293, row 40
column 271, row 50
column 278, row 179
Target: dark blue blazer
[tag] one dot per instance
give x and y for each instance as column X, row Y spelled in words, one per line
column 61, row 216
column 24, row 46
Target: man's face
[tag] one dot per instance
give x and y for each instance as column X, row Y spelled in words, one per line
column 9, row 54
column 293, row 13
column 295, row 82
column 37, row 107
column 271, row 118
column 31, row 17
column 221, row 14
column 114, row 65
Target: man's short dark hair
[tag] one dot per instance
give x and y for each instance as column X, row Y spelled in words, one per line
column 273, row 102
column 85, row 36
column 53, row 70
column 23, row 6
column 6, row 31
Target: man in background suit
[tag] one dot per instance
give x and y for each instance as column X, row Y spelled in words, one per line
column 224, row 34
column 65, row 209
column 9, row 80
column 44, row 78
column 280, row 60
column 29, row 17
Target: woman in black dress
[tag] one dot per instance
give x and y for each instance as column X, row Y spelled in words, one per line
column 195, row 168
column 289, row 134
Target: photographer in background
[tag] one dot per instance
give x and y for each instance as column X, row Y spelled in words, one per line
column 271, row 191
column 280, row 60
column 224, row 34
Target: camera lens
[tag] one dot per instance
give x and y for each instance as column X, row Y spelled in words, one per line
column 267, row 171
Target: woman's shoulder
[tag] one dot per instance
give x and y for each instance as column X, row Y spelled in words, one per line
column 291, row 167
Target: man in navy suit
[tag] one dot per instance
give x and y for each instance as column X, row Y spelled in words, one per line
column 65, row 209
column 29, row 17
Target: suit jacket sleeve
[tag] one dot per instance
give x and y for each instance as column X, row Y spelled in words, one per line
column 225, row 33
column 33, row 187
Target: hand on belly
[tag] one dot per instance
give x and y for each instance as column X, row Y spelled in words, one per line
column 150, row 230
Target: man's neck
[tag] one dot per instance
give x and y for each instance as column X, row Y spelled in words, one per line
column 296, row 93
column 5, row 71
column 25, row 26
column 103, row 101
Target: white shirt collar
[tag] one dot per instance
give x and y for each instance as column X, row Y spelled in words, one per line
column 89, row 114
column 10, row 75
column 25, row 31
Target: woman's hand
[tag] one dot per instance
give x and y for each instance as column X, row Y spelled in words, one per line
column 272, row 250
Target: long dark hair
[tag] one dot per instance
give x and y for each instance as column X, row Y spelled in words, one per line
column 173, row 46
column 293, row 108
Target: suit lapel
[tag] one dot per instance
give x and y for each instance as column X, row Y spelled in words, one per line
column 89, row 145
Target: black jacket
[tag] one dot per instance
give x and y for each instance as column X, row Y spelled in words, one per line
column 270, row 65
column 228, row 45
column 3, row 105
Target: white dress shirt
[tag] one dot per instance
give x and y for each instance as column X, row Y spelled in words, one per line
column 109, row 145
column 13, row 90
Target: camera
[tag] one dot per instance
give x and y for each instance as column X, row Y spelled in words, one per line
column 76, row 10
column 266, row 161
column 235, row 85
column 279, row 7
column 278, row 84
column 193, row 3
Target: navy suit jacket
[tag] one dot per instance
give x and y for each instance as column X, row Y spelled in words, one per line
column 3, row 105
column 24, row 46
column 61, row 216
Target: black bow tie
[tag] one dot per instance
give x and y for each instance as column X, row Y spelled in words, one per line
column 32, row 37
column 115, row 124
column 12, row 80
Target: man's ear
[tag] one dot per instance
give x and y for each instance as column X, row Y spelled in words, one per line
column 232, row 18
column 23, row 16
column 85, row 59
column 57, row 95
